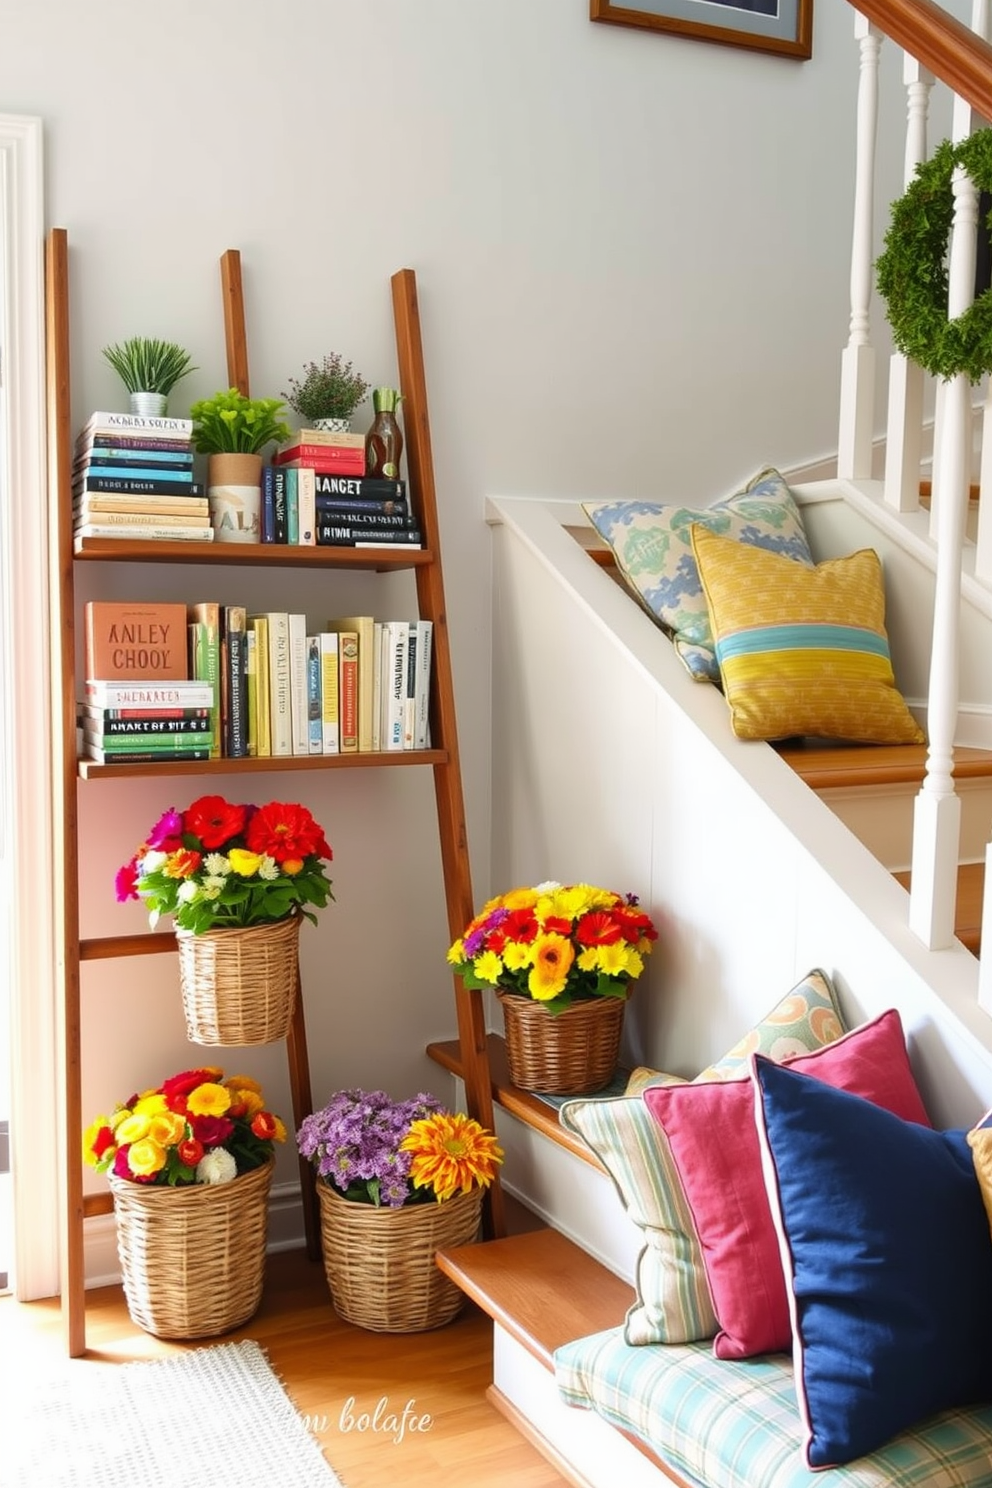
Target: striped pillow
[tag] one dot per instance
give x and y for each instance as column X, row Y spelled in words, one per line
column 802, row 651
column 673, row 1297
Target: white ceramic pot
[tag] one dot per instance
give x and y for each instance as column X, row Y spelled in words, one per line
column 234, row 494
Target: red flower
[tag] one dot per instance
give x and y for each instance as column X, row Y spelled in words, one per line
column 214, row 821
column 285, row 832
column 263, row 1124
column 520, row 925
column 190, row 1151
column 598, row 928
column 102, row 1139
column 183, row 1083
column 212, row 1131
column 558, row 925
column 635, row 925
column 124, row 883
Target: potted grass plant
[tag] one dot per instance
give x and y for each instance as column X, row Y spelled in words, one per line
column 149, row 369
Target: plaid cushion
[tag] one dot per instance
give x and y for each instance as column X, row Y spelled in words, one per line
column 735, row 1425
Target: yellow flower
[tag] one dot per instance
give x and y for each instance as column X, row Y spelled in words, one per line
column 456, row 955
column 451, row 1152
column 518, row 899
column 132, row 1129
column 250, row 1099
column 280, row 1134
column 517, row 955
column 244, row 863
column 166, row 1129
column 145, row 1158
column 150, row 1103
column 243, row 1082
column 208, row 1100
column 487, row 967
column 553, row 957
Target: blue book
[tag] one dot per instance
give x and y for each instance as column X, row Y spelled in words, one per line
column 315, row 720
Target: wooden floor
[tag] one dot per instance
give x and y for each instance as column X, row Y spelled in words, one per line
column 324, row 1364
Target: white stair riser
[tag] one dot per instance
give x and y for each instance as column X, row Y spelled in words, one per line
column 568, row 1193
column 882, row 818
column 599, row 1455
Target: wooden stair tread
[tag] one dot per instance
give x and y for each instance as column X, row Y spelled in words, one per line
column 540, row 1287
column 523, row 1104
column 968, row 911
column 824, row 766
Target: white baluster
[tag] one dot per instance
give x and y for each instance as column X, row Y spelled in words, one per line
column 857, row 373
column 904, row 426
column 983, row 545
column 937, row 816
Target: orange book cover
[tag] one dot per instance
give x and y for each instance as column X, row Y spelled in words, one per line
column 135, row 640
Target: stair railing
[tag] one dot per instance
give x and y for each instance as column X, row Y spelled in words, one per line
column 937, row 48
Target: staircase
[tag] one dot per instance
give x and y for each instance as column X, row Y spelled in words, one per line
column 757, row 863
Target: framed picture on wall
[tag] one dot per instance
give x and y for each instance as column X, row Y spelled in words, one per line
column 784, row 27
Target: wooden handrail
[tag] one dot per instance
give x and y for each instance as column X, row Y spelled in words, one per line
column 943, row 44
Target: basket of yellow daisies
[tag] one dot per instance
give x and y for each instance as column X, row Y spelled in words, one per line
column 562, row 959
column 397, row 1181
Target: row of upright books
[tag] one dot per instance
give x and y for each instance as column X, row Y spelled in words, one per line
column 132, row 478
column 304, row 505
column 167, row 681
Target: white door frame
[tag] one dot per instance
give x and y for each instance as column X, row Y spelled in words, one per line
column 25, row 672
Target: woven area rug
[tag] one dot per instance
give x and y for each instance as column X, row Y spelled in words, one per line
column 215, row 1416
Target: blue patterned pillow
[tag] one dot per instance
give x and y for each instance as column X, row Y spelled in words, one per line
column 652, row 545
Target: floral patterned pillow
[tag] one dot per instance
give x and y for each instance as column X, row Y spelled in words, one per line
column 652, row 545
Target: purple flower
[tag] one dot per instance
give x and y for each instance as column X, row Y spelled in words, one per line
column 354, row 1143
column 476, row 940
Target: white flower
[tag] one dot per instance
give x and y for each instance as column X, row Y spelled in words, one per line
column 153, row 861
column 547, row 888
column 217, row 1166
column 187, row 891
column 217, row 865
column 268, row 868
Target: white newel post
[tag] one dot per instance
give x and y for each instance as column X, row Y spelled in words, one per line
column 983, row 541
column 904, row 426
column 937, row 817
column 857, row 371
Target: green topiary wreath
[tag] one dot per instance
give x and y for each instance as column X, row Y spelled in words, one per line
column 912, row 271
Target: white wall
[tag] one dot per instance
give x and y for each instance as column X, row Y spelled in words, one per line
column 633, row 779
column 631, row 252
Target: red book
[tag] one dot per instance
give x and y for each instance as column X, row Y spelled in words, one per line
column 328, row 459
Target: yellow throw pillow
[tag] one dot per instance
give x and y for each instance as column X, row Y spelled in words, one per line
column 802, row 650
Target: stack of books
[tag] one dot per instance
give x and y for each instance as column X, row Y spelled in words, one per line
column 133, row 722
column 132, row 478
column 316, row 493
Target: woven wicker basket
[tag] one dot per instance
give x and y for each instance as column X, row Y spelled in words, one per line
column 569, row 1053
column 193, row 1259
column 380, row 1265
column 239, row 986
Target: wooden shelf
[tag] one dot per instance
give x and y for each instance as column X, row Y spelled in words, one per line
column 91, row 770
column 252, row 555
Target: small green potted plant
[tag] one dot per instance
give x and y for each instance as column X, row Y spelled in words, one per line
column 149, row 369
column 233, row 430
column 328, row 393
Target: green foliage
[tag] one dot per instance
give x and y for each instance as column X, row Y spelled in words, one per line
column 912, row 271
column 149, row 366
column 231, row 423
column 327, row 389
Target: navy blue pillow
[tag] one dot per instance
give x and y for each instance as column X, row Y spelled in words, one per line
column 888, row 1262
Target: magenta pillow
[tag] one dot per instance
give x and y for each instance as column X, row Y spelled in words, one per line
column 714, row 1141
